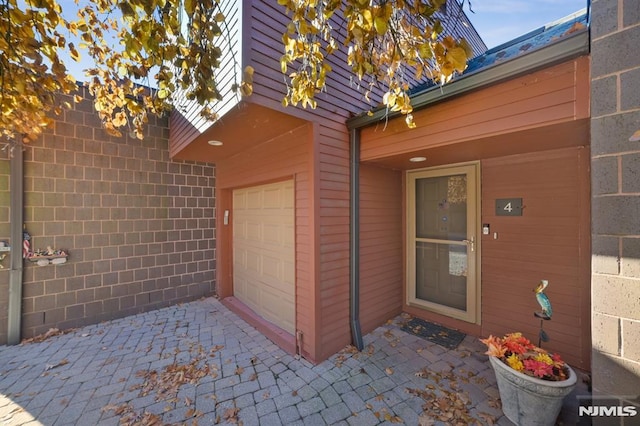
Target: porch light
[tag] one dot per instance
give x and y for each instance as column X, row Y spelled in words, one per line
column 214, row 143
column 417, row 159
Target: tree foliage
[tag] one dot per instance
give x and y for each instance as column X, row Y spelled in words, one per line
column 175, row 42
column 178, row 44
column 390, row 43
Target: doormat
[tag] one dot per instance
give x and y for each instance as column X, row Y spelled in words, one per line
column 435, row 333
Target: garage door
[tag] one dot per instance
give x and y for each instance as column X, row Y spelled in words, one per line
column 264, row 253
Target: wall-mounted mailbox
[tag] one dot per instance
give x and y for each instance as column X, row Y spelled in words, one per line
column 509, row 207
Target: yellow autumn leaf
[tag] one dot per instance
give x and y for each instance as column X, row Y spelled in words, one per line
column 120, row 119
column 458, row 58
column 368, row 20
column 74, row 53
column 380, row 25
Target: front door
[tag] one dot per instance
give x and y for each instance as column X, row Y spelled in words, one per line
column 442, row 237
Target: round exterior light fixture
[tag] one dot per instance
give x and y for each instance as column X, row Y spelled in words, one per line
column 214, row 143
column 417, row 159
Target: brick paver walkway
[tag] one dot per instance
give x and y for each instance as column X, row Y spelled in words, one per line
column 198, row 363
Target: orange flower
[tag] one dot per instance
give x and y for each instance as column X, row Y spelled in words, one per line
column 495, row 347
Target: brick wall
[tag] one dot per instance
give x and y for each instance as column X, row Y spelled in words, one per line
column 615, row 111
column 139, row 227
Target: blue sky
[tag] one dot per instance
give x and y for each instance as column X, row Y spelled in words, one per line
column 498, row 21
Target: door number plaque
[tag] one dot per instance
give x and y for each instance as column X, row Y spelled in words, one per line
column 509, row 207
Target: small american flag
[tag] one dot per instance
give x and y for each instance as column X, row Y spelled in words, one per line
column 26, row 245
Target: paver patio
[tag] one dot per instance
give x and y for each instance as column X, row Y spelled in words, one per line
column 199, row 363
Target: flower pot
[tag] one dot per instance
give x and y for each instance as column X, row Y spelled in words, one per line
column 529, row 401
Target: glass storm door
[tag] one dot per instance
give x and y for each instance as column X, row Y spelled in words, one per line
column 442, row 220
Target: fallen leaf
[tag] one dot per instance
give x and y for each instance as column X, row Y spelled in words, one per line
column 239, row 370
column 231, row 415
column 389, row 370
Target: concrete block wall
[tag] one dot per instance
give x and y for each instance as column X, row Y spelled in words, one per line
column 615, row 111
column 4, row 236
column 139, row 227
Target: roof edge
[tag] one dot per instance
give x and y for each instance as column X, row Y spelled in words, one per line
column 563, row 50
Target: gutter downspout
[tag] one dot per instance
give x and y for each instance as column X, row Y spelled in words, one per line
column 354, row 248
column 16, row 218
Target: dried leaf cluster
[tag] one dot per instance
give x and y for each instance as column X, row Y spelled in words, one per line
column 166, row 384
column 446, row 401
column 52, row 332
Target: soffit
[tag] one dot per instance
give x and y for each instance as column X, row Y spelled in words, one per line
column 244, row 126
column 555, row 136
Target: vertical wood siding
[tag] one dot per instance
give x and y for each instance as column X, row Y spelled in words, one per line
column 381, row 258
column 549, row 241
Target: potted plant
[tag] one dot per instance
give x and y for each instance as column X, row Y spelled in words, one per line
column 532, row 382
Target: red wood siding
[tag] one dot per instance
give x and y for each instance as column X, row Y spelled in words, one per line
column 330, row 168
column 546, row 98
column 549, row 241
column 381, row 246
column 278, row 159
column 531, row 134
column 264, row 30
column 321, row 173
column 333, row 241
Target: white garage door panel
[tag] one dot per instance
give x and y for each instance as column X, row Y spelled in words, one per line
column 263, row 263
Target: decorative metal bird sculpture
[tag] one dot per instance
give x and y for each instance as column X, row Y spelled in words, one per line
column 546, row 313
column 543, row 300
